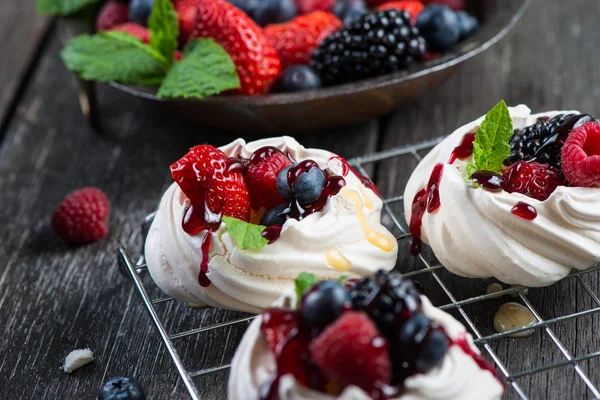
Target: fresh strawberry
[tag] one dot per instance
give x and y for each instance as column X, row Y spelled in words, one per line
column 276, row 325
column 456, row 5
column 136, row 30
column 532, row 179
column 111, row 14
column 296, row 40
column 81, row 216
column 414, row 8
column 351, row 351
column 261, row 177
column 213, row 184
column 256, row 60
column 580, row 156
column 186, row 13
column 308, row 6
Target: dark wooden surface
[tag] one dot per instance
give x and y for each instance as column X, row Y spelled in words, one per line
column 55, row 298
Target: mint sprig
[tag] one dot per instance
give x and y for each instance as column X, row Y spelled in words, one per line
column 247, row 236
column 114, row 56
column 205, row 70
column 491, row 146
column 303, row 282
column 62, row 7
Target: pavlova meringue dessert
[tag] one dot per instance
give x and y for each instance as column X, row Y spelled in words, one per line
column 241, row 222
column 376, row 338
column 511, row 195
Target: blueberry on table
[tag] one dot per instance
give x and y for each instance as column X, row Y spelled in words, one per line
column 323, row 304
column 297, row 78
column 122, row 388
column 273, row 216
column 309, row 186
column 265, row 12
column 283, row 187
column 468, row 24
column 349, row 11
column 440, row 27
column 139, row 11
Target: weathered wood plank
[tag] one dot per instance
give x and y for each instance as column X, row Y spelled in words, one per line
column 22, row 31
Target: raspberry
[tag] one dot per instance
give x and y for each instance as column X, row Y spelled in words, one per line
column 277, row 325
column 581, row 156
column 111, row 14
column 414, row 8
column 214, row 185
column 532, row 179
column 81, row 216
column 456, row 5
column 261, row 177
column 352, row 352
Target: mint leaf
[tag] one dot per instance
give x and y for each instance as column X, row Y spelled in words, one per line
column 206, row 70
column 246, row 235
column 342, row 279
column 114, row 56
column 303, row 282
column 491, row 146
column 61, row 7
column 164, row 28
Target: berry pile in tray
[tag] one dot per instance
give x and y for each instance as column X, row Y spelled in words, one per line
column 271, row 45
column 370, row 333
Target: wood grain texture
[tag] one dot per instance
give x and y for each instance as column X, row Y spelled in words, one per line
column 21, row 30
column 54, row 298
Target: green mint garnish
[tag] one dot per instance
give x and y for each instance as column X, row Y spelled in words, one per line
column 206, row 70
column 164, row 28
column 491, row 146
column 61, row 7
column 303, row 282
column 115, row 56
column 246, row 235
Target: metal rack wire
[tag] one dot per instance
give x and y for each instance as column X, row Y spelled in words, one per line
column 135, row 270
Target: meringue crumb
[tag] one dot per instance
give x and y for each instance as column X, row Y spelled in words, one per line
column 77, row 359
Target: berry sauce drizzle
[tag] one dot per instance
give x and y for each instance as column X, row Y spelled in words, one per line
column 366, row 182
column 427, row 199
column 464, row 149
column 484, row 364
column 205, row 248
column 489, row 180
column 525, row 211
column 272, row 233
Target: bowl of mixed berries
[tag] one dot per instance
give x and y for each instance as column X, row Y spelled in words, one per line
column 281, row 65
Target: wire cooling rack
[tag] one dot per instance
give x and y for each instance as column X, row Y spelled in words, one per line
column 432, row 269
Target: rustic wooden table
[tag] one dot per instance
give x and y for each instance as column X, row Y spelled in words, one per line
column 55, row 298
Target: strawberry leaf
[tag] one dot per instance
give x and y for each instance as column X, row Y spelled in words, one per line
column 247, row 236
column 164, row 28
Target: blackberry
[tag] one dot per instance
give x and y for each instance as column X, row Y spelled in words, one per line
column 378, row 43
column 388, row 299
column 543, row 141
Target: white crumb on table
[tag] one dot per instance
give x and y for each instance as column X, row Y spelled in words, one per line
column 77, row 359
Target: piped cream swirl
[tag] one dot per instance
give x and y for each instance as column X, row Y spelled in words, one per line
column 474, row 233
column 250, row 280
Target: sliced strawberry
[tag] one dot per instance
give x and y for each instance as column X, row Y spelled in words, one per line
column 296, row 40
column 136, row 30
column 256, row 60
column 352, row 352
column 214, row 188
column 261, row 177
column 186, row 13
column 308, row 6
column 112, row 14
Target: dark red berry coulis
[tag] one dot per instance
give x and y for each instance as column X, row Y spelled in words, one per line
column 464, row 149
column 524, row 210
column 489, row 180
column 425, row 199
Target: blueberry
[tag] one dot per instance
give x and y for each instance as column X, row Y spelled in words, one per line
column 349, row 10
column 297, row 78
column 139, row 11
column 421, row 343
column 309, row 186
column 273, row 217
column 284, row 189
column 323, row 304
column 440, row 27
column 265, row 12
column 122, row 388
column 468, row 24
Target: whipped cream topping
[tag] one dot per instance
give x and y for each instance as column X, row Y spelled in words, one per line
column 345, row 238
column 457, row 377
column 474, row 234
